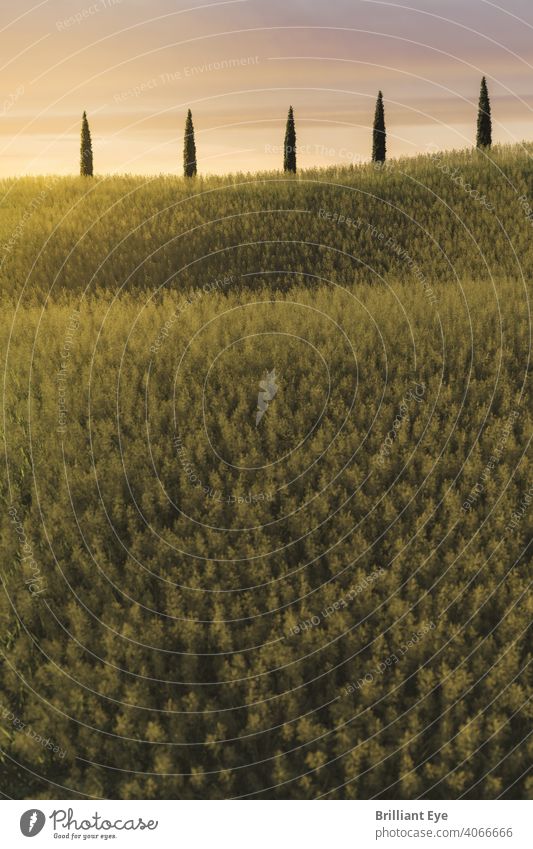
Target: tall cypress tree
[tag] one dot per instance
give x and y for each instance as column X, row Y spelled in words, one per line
column 189, row 148
column 379, row 137
column 86, row 149
column 289, row 148
column 484, row 122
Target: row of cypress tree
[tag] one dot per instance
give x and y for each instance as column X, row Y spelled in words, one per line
column 379, row 137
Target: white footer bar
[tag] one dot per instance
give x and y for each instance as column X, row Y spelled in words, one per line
column 269, row 824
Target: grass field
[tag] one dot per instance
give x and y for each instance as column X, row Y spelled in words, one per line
column 331, row 602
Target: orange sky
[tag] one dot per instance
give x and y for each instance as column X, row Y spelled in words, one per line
column 136, row 66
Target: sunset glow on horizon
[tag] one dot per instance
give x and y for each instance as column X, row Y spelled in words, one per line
column 136, row 67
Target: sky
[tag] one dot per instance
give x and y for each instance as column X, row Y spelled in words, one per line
column 136, row 66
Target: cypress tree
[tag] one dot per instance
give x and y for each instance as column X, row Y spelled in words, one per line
column 189, row 148
column 484, row 122
column 379, row 138
column 289, row 148
column 86, row 149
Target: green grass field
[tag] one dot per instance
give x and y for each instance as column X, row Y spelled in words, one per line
column 329, row 603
